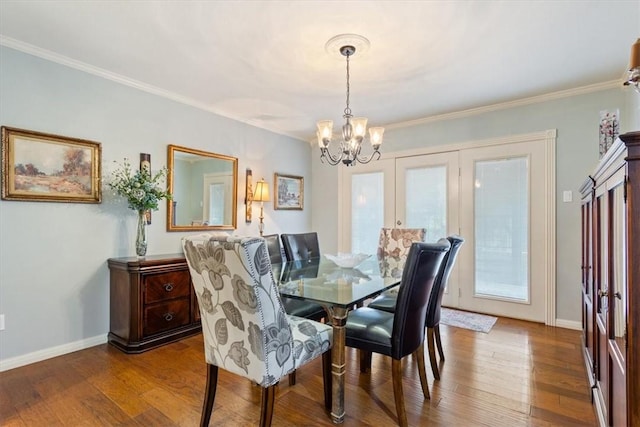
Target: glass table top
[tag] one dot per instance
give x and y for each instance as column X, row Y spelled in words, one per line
column 320, row 280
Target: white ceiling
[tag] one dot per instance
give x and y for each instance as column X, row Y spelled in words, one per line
column 265, row 63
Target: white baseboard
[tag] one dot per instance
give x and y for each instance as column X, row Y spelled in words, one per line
column 48, row 353
column 569, row 324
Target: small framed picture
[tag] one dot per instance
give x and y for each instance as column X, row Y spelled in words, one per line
column 49, row 168
column 289, row 192
column 609, row 130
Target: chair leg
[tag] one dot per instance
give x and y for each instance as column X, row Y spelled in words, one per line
column 432, row 354
column 396, row 375
column 327, row 378
column 365, row 361
column 209, row 394
column 292, row 378
column 436, row 329
column 419, row 356
column 266, row 410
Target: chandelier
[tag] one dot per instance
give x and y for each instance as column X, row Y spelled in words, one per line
column 354, row 129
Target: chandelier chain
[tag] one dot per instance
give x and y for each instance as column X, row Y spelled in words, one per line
column 347, row 111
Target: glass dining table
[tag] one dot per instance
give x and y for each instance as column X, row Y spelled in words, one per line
column 338, row 290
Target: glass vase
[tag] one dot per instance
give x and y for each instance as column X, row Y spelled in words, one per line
column 141, row 235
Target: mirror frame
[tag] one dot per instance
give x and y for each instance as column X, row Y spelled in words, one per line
column 171, row 150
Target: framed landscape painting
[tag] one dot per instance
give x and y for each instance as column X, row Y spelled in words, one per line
column 49, row 168
column 289, row 192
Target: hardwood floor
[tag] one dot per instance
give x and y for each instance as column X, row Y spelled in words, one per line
column 520, row 374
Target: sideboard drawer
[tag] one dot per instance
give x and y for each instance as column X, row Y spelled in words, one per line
column 165, row 286
column 162, row 317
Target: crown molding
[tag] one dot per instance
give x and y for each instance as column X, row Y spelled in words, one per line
column 546, row 135
column 96, row 71
column 509, row 104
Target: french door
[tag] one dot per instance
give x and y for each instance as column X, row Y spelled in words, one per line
column 409, row 192
column 426, row 194
column 495, row 196
column 504, row 206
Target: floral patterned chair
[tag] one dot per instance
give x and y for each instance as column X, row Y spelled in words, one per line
column 393, row 248
column 245, row 328
column 296, row 307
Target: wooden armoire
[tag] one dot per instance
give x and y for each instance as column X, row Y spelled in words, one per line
column 611, row 282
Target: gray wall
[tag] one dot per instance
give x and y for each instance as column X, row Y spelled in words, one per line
column 576, row 119
column 54, row 281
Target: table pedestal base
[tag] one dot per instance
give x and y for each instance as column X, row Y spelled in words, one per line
column 338, row 320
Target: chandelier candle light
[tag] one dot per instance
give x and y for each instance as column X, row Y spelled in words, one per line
column 354, row 128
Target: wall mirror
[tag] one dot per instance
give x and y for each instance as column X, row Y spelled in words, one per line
column 204, row 187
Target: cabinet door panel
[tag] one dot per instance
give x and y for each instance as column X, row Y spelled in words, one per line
column 600, row 292
column 588, row 329
column 618, row 391
column 617, row 267
column 589, row 333
column 602, row 371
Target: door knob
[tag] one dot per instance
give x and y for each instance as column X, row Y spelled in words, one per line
column 398, row 222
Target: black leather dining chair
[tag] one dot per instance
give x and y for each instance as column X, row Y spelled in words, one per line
column 273, row 247
column 402, row 332
column 301, row 246
column 387, row 302
column 294, row 307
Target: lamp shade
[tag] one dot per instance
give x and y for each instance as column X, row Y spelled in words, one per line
column 634, row 61
column 324, row 133
column 375, row 136
column 359, row 126
column 261, row 192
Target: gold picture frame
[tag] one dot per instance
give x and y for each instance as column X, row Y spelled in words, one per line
column 41, row 167
column 289, row 192
column 248, row 196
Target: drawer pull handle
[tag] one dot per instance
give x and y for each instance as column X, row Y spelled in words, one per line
column 168, row 287
column 168, row 317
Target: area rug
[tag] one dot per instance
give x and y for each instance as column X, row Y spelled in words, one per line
column 467, row 320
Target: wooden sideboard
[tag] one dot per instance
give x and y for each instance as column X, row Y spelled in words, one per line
column 152, row 302
column 611, row 282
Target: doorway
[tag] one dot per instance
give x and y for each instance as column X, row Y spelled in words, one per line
column 498, row 195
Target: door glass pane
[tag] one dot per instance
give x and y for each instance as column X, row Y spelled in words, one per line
column 586, row 247
column 603, row 301
column 618, row 258
column 426, row 200
column 501, row 228
column 367, row 211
